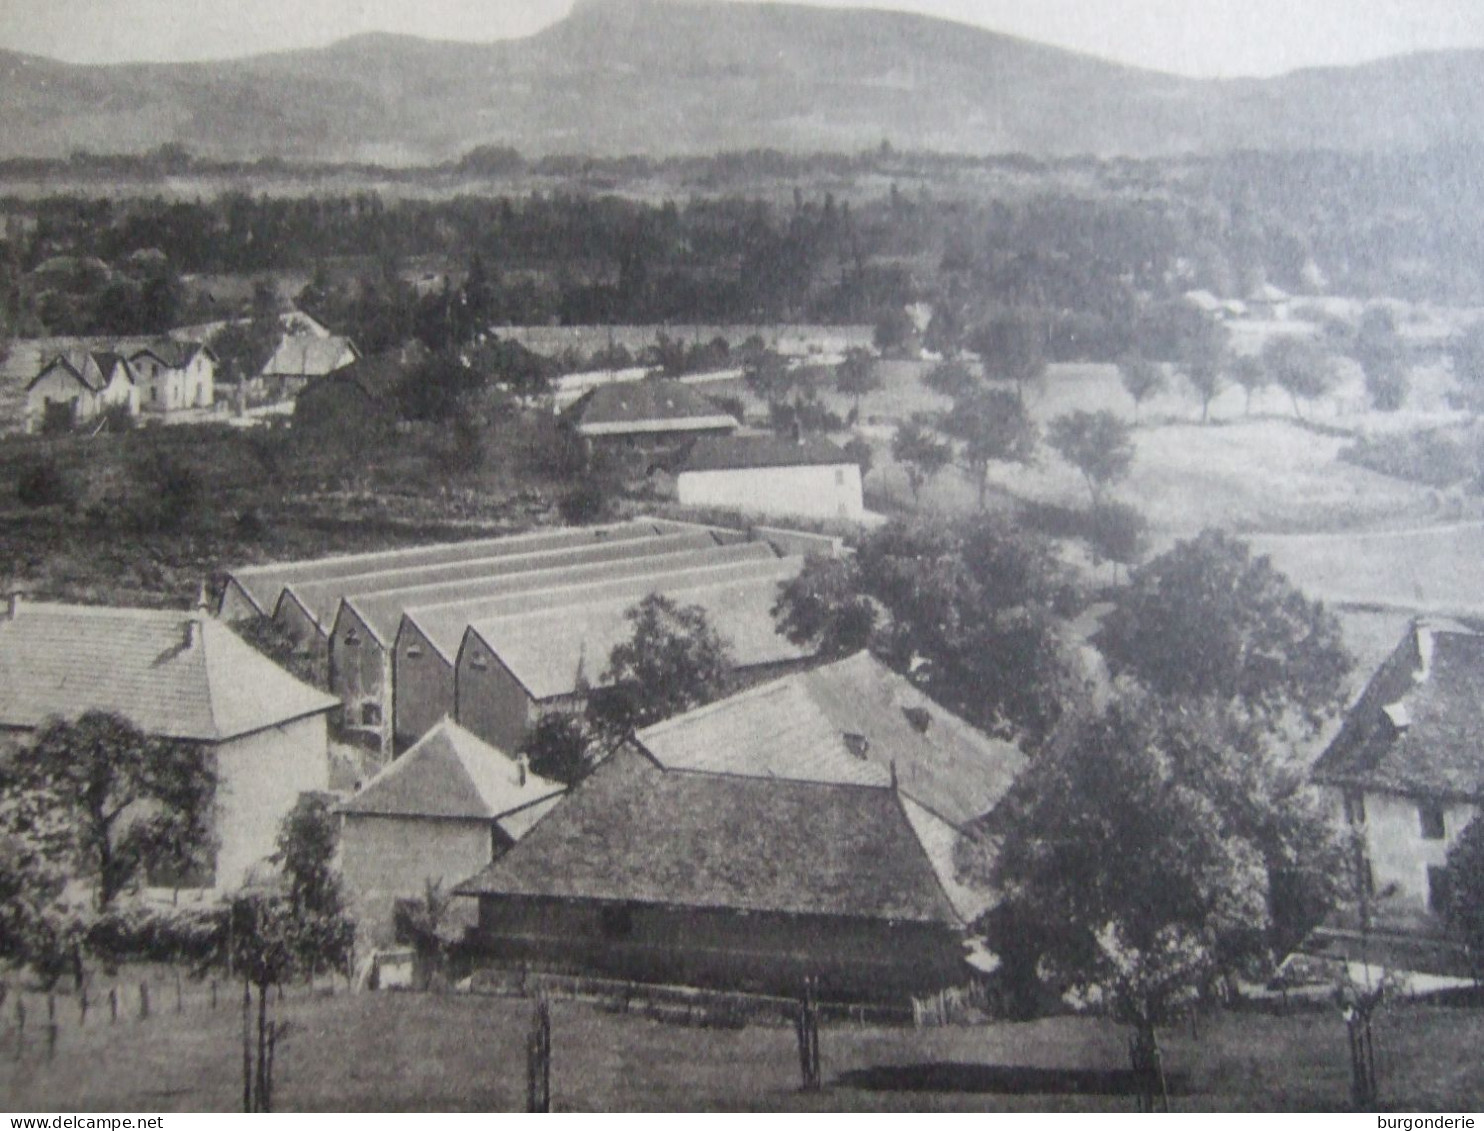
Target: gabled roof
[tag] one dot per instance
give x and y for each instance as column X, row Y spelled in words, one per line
column 853, row 721
column 1418, row 728
column 172, row 353
column 379, row 376
column 173, row 673
column 651, row 405
column 381, row 611
column 306, row 355
column 635, row 833
column 732, row 453
column 451, row 773
column 92, row 368
column 553, row 652
column 263, row 584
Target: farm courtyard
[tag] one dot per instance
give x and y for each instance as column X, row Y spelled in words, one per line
column 404, row 1051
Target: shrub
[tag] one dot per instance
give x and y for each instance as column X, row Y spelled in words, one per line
column 43, row 484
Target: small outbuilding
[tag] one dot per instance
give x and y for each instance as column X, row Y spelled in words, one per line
column 440, row 812
column 653, row 419
column 78, row 386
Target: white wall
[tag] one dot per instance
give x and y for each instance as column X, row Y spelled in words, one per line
column 384, row 859
column 801, row 492
column 58, row 386
column 259, row 778
column 1398, row 853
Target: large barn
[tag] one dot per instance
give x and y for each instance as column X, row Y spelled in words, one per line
column 814, row 826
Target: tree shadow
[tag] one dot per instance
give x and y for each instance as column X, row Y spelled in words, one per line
column 1001, row 1079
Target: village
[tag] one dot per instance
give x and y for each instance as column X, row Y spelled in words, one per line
column 884, row 631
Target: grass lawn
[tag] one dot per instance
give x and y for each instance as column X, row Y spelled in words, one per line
column 467, row 1052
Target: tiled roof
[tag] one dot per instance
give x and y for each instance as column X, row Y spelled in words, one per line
column 853, row 721
column 382, row 611
column 731, row 453
column 321, row 599
column 93, row 368
column 378, row 376
column 551, row 652
column 651, row 405
column 635, row 833
column 1418, row 728
column 67, row 659
column 306, row 355
column 451, row 773
column 174, row 353
column 263, row 584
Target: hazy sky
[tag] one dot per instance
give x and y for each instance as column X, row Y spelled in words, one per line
column 1197, row 37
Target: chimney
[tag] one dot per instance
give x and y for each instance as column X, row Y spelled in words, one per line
column 192, row 632
column 522, row 768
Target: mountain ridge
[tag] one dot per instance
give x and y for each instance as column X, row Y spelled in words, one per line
column 661, row 77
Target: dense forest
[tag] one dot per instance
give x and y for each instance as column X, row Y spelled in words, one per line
column 1100, row 250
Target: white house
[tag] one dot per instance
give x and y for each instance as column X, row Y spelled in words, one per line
column 1406, row 770
column 767, row 475
column 176, row 675
column 175, row 375
column 77, row 386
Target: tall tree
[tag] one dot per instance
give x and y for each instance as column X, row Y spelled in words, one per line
column 857, row 375
column 995, row 428
column 1463, row 910
column 1141, row 378
column 824, row 608
column 1097, row 444
column 921, row 453
column 673, row 661
column 1249, row 372
column 1301, row 367
column 1205, row 358
column 1207, row 619
column 1142, row 856
column 951, row 378
column 1378, row 349
column 1011, row 346
column 137, row 802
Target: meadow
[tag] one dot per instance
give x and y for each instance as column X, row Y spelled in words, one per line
column 465, row 1052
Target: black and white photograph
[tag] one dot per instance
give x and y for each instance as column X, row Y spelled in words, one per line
column 732, row 556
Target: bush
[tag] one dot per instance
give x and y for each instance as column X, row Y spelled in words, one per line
column 587, row 503
column 1434, row 457
column 43, row 484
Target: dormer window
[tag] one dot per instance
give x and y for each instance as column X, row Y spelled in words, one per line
column 919, row 718
column 479, row 662
column 352, row 638
column 857, row 744
column 414, row 652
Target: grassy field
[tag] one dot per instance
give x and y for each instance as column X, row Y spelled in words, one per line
column 464, row 1052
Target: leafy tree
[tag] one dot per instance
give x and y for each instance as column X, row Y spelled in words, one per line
column 995, row 428
column 859, row 449
column 1205, row 357
column 769, row 375
column 559, row 747
column 439, row 389
column 137, row 803
column 1118, row 534
column 307, row 840
column 1012, row 346
column 893, row 331
column 36, row 848
column 1142, row 379
column 1249, row 372
column 1141, row 856
column 672, row 662
column 824, row 608
column 951, row 378
column 1464, row 908
column 1097, row 444
column 857, row 375
column 920, row 452
column 1378, row 349
column 974, row 611
column 1300, row 367
column 1209, row 620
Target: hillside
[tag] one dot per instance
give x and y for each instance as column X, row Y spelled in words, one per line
column 672, row 76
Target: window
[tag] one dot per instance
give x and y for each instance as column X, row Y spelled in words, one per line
column 1354, row 808
column 1431, row 819
column 414, row 652
column 352, row 638
column 1438, row 889
column 370, row 714
column 479, row 662
column 839, row 477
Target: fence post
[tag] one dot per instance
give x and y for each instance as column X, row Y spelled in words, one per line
column 83, row 1004
column 143, row 1001
column 806, row 1030
column 538, row 1059
column 20, row 1025
column 113, row 1005
column 213, row 993
column 178, row 1003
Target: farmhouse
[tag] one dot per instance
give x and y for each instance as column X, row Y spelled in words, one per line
column 653, row 418
column 1407, row 768
column 767, row 475
column 441, row 812
column 301, row 357
column 174, row 375
column 77, row 386
column 512, row 668
column 176, row 675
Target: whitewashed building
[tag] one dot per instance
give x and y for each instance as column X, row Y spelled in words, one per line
column 174, row 375
column 78, row 386
column 766, row 475
column 176, row 675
